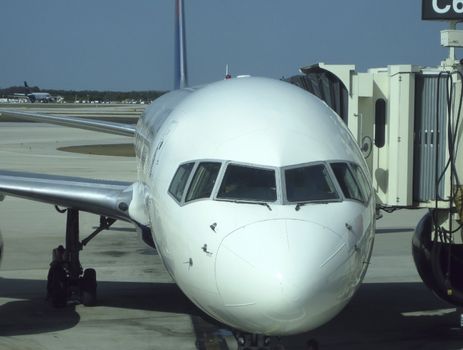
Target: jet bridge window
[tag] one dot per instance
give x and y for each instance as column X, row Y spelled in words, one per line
column 177, row 187
column 248, row 184
column 309, row 183
column 347, row 182
column 203, row 181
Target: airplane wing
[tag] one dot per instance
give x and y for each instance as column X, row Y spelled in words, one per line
column 80, row 123
column 102, row 197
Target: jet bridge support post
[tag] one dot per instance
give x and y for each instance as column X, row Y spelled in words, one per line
column 460, row 315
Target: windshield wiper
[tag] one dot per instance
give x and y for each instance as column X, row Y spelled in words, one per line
column 258, row 203
column 299, row 205
column 251, row 202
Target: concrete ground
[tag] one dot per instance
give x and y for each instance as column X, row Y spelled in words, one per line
column 140, row 307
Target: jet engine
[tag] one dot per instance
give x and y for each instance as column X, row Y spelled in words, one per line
column 438, row 261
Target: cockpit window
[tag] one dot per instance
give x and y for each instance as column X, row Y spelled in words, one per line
column 309, row 183
column 248, row 184
column 362, row 180
column 203, row 181
column 347, row 182
column 177, row 187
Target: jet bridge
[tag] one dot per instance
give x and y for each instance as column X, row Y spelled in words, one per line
column 406, row 121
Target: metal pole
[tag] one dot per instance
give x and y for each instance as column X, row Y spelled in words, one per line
column 452, row 57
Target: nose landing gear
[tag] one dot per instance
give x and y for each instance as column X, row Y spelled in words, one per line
column 248, row 341
column 67, row 281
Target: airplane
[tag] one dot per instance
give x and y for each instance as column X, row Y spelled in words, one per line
column 33, row 97
column 253, row 192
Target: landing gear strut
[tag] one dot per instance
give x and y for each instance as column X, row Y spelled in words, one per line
column 67, row 281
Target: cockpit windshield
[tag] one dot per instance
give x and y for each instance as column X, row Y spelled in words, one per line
column 318, row 182
column 309, row 183
column 203, row 181
column 248, row 183
column 347, row 181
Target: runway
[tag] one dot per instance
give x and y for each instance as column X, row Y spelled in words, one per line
column 139, row 307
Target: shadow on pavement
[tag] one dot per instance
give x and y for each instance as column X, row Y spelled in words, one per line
column 389, row 316
column 31, row 314
column 381, row 315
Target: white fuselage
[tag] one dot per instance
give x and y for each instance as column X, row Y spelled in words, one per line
column 261, row 266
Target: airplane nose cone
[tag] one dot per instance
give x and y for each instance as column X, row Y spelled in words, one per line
column 277, row 276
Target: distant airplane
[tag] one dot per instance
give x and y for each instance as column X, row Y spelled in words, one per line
column 253, row 192
column 43, row 97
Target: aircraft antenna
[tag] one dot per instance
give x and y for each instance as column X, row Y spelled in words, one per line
column 227, row 73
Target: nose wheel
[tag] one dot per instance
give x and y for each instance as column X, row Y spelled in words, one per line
column 248, row 341
column 312, row 344
column 68, row 282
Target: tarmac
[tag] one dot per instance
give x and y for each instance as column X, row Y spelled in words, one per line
column 139, row 306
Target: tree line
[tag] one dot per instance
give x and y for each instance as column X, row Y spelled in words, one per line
column 71, row 96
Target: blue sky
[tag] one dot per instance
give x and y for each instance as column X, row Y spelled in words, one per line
column 128, row 45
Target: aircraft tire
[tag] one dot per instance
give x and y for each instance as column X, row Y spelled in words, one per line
column 88, row 287
column 58, row 287
column 312, row 344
